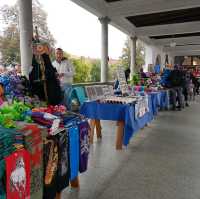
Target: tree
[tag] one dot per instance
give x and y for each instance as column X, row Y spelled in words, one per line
column 9, row 46
column 95, row 71
column 126, row 55
column 9, row 41
column 82, row 70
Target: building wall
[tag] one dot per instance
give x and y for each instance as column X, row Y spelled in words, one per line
column 151, row 53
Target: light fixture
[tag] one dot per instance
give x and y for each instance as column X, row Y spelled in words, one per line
column 172, row 44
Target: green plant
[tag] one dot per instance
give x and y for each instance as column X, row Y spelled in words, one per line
column 135, row 80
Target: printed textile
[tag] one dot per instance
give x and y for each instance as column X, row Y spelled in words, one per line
column 18, row 175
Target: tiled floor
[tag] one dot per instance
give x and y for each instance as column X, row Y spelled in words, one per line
column 161, row 162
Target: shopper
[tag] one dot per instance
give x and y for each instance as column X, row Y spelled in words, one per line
column 142, row 73
column 175, row 79
column 64, row 68
column 66, row 72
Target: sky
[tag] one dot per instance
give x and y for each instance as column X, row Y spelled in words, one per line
column 77, row 31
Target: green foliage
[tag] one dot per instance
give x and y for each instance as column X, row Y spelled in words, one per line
column 9, row 45
column 10, row 42
column 82, row 70
column 112, row 72
column 95, row 71
column 126, row 55
column 135, row 79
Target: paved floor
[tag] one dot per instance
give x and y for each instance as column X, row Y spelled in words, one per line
column 161, row 162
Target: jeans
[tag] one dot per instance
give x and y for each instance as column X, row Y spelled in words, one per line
column 66, row 91
column 176, row 95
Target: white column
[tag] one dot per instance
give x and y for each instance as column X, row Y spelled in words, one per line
column 148, row 57
column 104, row 48
column 26, row 33
column 133, row 54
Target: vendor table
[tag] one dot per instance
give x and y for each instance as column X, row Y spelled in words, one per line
column 127, row 123
column 124, row 114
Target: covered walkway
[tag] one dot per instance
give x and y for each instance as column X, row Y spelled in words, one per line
column 161, row 162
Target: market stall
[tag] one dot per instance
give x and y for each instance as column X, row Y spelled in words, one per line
column 43, row 146
column 133, row 108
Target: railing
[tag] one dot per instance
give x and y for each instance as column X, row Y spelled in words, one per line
column 92, row 83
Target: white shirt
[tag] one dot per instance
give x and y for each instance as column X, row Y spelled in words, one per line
column 66, row 68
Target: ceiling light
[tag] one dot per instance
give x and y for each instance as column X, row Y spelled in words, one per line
column 172, row 44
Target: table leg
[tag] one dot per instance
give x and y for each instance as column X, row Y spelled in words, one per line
column 98, row 128
column 75, row 183
column 91, row 134
column 120, row 134
column 58, row 195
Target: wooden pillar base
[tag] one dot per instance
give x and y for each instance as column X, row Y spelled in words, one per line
column 95, row 124
column 58, row 196
column 75, row 183
column 120, row 135
column 91, row 134
column 98, row 129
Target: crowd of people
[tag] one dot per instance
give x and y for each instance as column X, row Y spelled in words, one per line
column 183, row 83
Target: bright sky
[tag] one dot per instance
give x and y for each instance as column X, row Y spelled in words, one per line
column 77, row 31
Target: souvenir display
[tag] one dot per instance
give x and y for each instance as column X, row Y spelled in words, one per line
column 84, row 146
column 99, row 92
column 91, row 92
column 36, row 142
column 119, row 100
column 122, row 81
column 141, row 107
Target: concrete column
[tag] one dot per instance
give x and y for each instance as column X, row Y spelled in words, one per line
column 26, row 33
column 133, row 41
column 104, row 48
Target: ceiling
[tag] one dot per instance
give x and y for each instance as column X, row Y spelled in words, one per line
column 157, row 22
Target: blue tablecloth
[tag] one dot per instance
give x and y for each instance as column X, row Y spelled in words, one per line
column 164, row 101
column 117, row 112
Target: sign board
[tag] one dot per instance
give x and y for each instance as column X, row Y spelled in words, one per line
column 122, row 80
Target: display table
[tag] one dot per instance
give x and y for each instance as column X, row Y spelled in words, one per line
column 124, row 114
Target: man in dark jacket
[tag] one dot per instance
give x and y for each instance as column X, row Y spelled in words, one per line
column 176, row 80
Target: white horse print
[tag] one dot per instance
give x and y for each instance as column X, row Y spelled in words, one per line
column 18, row 178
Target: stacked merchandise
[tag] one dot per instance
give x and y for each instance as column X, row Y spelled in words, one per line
column 15, row 86
column 56, row 149
column 53, row 160
column 119, row 100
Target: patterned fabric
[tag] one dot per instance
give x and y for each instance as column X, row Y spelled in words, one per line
column 63, row 161
column 50, row 162
column 34, row 144
column 84, row 146
column 56, row 164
